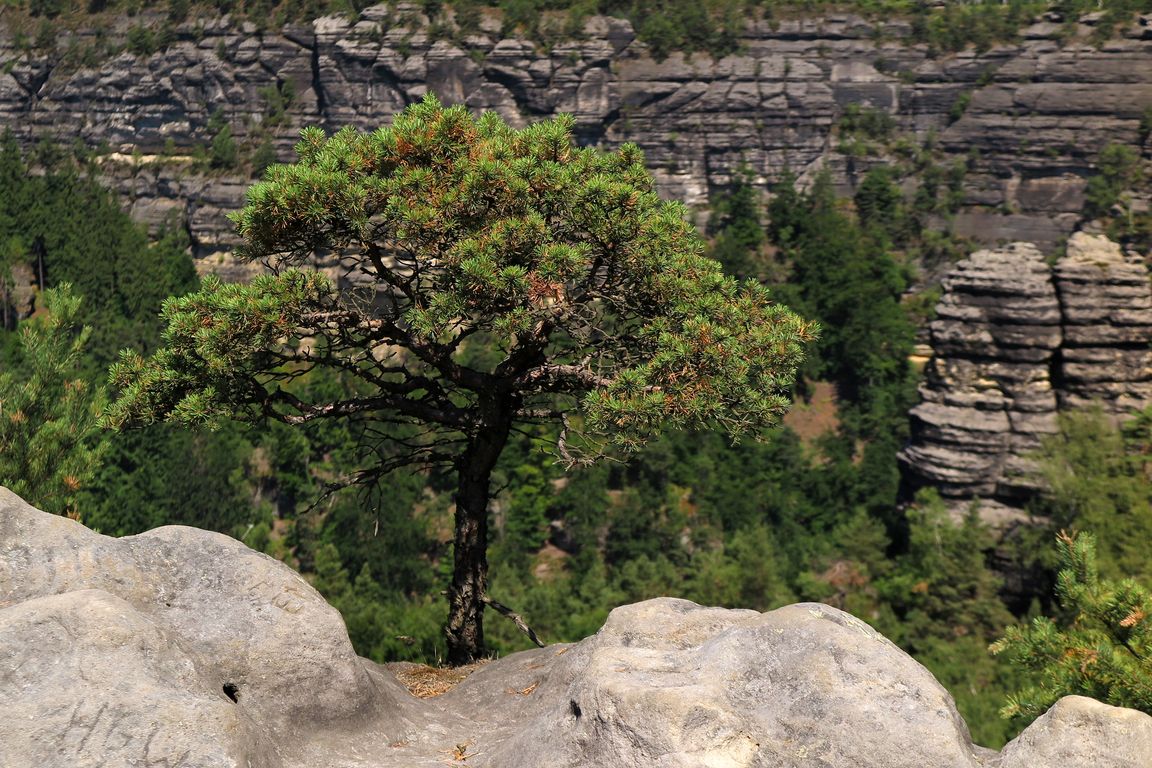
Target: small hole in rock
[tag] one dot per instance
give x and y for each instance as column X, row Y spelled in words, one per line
column 232, row 692
column 575, row 709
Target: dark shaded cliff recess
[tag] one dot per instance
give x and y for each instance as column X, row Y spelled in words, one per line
column 1015, row 341
column 1029, row 117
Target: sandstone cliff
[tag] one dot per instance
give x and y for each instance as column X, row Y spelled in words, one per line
column 1031, row 116
column 1014, row 341
column 180, row 648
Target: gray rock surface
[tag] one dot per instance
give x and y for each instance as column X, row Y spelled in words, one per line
column 1078, row 732
column 88, row 680
column 175, row 613
column 180, row 648
column 1014, row 341
column 1107, row 308
column 987, row 394
column 669, row 683
column 1038, row 110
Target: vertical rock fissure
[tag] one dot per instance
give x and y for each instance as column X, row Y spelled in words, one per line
column 318, row 85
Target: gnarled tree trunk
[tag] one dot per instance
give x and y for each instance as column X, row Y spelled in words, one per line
column 465, row 628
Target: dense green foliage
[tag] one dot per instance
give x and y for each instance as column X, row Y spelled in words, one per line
column 1098, row 645
column 59, row 227
column 1098, row 476
column 49, row 443
column 63, row 227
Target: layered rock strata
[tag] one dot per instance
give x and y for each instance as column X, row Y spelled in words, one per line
column 987, row 393
column 1107, row 314
column 181, row 648
column 1030, row 116
column 1014, row 341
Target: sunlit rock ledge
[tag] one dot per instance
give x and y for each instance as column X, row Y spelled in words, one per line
column 182, row 648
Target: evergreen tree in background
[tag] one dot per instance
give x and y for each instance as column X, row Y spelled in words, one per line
column 50, row 445
column 1099, row 645
column 59, row 226
column 495, row 277
column 1096, row 478
column 735, row 224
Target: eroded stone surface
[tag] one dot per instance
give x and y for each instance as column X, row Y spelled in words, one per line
column 1014, row 341
column 1107, row 307
column 181, row 648
column 669, row 683
column 987, row 396
column 1078, row 732
column 87, row 680
column 227, row 616
column 1038, row 110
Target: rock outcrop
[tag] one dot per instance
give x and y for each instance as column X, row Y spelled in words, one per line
column 987, row 392
column 1031, row 116
column 1058, row 737
column 1107, row 317
column 669, row 683
column 174, row 647
column 181, row 648
column 1014, row 341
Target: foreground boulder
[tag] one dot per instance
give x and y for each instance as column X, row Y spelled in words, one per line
column 669, row 683
column 182, row 648
column 175, row 647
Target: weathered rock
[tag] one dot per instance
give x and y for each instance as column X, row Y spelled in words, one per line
column 987, row 395
column 1037, row 112
column 1014, row 340
column 88, row 680
column 1106, row 302
column 1079, row 732
column 669, row 683
column 183, row 648
column 228, row 619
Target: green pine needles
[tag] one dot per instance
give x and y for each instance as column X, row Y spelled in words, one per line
column 1099, row 648
column 50, row 445
column 480, row 277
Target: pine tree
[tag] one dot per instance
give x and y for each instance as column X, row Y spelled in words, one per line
column 50, row 445
column 735, row 224
column 491, row 277
column 1100, row 646
column 1097, row 479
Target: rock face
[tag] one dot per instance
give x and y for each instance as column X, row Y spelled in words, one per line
column 176, row 645
column 1073, row 731
column 182, row 648
column 1107, row 310
column 1014, row 341
column 987, row 392
column 669, row 683
column 1031, row 115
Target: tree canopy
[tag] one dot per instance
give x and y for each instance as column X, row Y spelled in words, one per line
column 479, row 277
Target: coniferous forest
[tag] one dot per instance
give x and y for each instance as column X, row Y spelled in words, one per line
column 813, row 510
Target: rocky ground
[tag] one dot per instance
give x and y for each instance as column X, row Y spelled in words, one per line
column 179, row 648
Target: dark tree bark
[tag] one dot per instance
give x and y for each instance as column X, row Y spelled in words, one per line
column 465, row 628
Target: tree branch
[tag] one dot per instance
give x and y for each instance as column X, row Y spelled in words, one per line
column 517, row 619
column 552, row 377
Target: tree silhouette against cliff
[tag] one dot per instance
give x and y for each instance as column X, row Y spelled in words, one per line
column 488, row 278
